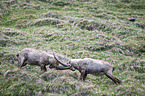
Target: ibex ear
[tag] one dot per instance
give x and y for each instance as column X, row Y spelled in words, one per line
column 71, row 67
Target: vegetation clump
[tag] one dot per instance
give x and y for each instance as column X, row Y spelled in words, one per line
column 91, row 25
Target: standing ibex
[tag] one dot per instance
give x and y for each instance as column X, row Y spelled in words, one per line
column 91, row 66
column 40, row 58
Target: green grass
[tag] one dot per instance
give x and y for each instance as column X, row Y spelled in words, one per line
column 97, row 29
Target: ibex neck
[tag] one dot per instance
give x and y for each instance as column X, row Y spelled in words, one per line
column 74, row 63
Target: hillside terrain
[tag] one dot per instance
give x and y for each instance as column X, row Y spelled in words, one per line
column 109, row 30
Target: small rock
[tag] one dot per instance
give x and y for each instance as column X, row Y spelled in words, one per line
column 131, row 19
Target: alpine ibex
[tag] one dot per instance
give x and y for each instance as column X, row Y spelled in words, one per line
column 91, row 66
column 40, row 58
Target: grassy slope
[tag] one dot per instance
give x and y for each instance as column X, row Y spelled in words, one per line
column 96, row 29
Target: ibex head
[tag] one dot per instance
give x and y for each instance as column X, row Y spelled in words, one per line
column 66, row 65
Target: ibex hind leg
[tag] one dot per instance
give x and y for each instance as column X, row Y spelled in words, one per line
column 114, row 79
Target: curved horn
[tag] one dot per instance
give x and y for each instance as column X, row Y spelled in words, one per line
column 60, row 61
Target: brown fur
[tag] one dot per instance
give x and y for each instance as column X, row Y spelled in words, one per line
column 92, row 66
column 40, row 58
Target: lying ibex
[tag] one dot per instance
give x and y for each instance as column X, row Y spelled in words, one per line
column 91, row 66
column 40, row 58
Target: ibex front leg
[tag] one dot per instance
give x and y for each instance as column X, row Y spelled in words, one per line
column 42, row 64
column 22, row 62
column 83, row 75
column 43, row 68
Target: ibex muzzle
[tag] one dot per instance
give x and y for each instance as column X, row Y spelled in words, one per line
column 91, row 66
column 40, row 58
